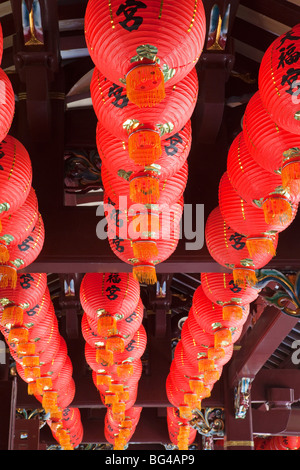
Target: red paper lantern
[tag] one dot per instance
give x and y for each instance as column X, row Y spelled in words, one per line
column 144, row 130
column 210, row 316
column 144, row 271
column 229, row 248
column 120, row 191
column 23, row 254
column 221, row 289
column 29, row 290
column 17, row 226
column 16, row 176
column 53, row 367
column 252, row 182
column 268, row 143
column 114, row 152
column 132, row 44
column 278, row 80
column 117, row 294
column 126, row 327
column 7, row 104
column 244, row 217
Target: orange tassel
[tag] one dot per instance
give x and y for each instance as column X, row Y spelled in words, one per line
column 196, row 385
column 103, row 379
column 43, row 383
column 111, row 398
column 144, row 273
column 216, row 353
column 32, row 373
column 145, row 250
column 115, row 343
column 290, row 175
column 144, row 146
column 31, row 361
column 125, row 371
column 232, row 312
column 222, row 338
column 18, row 335
column 260, row 244
column 210, row 376
column 185, row 411
column 25, row 349
column 277, row 209
column 12, row 316
column 116, row 387
column 4, row 253
column 106, row 325
column 244, row 277
column 144, row 187
column 118, row 408
column 32, row 388
column 8, row 277
column 106, row 358
column 190, row 398
column 119, row 443
column 205, row 364
column 145, row 84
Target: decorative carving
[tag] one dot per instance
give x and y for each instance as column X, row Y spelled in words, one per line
column 242, row 397
column 286, row 298
column 210, row 422
column 32, row 23
column 82, row 170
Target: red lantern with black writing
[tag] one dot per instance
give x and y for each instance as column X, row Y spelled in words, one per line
column 278, row 80
column 130, row 42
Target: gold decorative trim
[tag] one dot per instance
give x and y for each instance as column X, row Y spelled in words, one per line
column 239, row 444
column 52, row 95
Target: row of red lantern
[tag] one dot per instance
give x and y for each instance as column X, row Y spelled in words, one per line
column 277, row 443
column 259, row 193
column 21, row 224
column 115, row 341
column 147, row 179
column 213, row 325
column 30, row 328
column 143, row 96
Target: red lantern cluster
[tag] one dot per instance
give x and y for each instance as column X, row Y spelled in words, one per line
column 30, row 327
column 115, row 342
column 206, row 345
column 277, row 443
column 260, row 191
column 144, row 90
column 21, row 224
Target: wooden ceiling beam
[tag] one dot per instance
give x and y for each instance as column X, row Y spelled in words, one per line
column 280, row 10
column 258, row 345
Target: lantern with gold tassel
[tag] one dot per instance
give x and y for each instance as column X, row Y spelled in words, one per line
column 135, row 48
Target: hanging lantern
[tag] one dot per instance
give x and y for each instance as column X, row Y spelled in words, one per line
column 142, row 130
column 277, row 80
column 117, row 294
column 229, row 248
column 144, row 271
column 210, row 316
column 135, row 47
column 268, row 143
column 290, row 173
column 16, row 176
column 118, row 189
column 244, row 217
column 29, row 290
column 221, row 289
column 114, row 152
column 17, row 226
column 7, row 107
column 126, row 327
column 23, row 254
column 254, row 184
